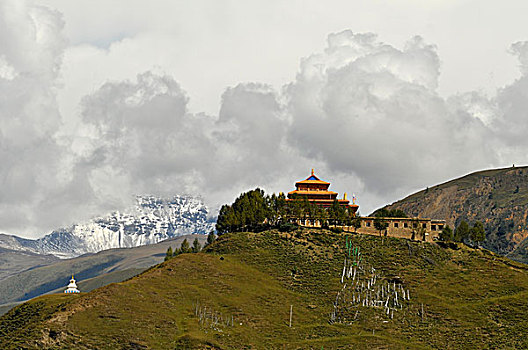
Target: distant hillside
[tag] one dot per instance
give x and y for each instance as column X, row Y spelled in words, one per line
column 14, row 261
column 91, row 271
column 239, row 294
column 151, row 220
column 498, row 198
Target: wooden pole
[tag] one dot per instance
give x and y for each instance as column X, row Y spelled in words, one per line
column 291, row 312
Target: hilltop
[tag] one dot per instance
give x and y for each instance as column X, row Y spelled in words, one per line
column 237, row 294
column 498, row 198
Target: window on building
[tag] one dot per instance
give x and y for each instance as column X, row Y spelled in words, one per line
column 368, row 224
column 396, row 224
column 405, row 225
column 424, row 225
column 433, row 227
column 440, row 227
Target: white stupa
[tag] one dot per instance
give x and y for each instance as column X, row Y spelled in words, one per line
column 72, row 287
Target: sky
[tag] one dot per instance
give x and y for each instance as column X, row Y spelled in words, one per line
column 103, row 100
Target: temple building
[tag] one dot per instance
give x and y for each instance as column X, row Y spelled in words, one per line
column 316, row 191
column 72, row 287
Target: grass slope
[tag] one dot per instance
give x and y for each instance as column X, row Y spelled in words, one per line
column 118, row 264
column 471, row 299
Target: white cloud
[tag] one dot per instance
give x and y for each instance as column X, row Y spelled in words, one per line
column 373, row 110
column 31, row 45
column 118, row 112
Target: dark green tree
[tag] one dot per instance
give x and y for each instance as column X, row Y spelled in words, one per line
column 337, row 214
column 184, row 247
column 196, row 247
column 273, row 204
column 356, row 223
column 392, row 213
column 177, row 251
column 462, row 232
column 380, row 224
column 305, row 208
column 250, row 211
column 168, row 255
column 447, row 234
column 227, row 221
column 281, row 208
column 477, row 233
column 211, row 237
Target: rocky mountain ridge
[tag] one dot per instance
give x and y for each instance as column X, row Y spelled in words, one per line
column 498, row 198
column 150, row 220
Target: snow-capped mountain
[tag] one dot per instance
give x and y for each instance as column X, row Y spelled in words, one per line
column 151, row 220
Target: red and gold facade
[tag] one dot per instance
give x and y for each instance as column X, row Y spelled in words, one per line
column 316, row 191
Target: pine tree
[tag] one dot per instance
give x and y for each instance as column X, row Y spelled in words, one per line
column 380, row 224
column 477, row 233
column 356, row 223
column 250, row 211
column 462, row 232
column 196, row 246
column 184, row 247
column 168, row 255
column 211, row 237
column 176, row 252
column 447, row 234
column 282, row 210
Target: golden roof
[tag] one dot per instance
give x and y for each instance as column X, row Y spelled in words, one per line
column 312, row 179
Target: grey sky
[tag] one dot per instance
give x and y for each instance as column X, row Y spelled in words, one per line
column 101, row 100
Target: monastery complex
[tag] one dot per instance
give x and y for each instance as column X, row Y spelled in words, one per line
column 317, row 192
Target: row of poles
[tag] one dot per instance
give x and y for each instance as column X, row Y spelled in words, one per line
column 363, row 286
column 209, row 317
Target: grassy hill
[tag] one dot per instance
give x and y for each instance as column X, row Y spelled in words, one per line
column 497, row 197
column 91, row 271
column 238, row 294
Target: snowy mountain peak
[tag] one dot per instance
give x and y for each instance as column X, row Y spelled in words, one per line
column 151, row 220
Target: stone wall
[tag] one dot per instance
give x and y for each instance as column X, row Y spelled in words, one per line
column 417, row 229
column 411, row 228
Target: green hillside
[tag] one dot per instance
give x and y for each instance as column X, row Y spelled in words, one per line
column 498, row 198
column 238, row 294
column 91, row 270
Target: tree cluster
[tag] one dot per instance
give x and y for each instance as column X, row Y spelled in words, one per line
column 390, row 213
column 184, row 248
column 464, row 233
column 256, row 211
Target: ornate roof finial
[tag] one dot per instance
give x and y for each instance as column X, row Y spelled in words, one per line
column 312, row 171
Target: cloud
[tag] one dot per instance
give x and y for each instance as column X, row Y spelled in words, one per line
column 512, row 104
column 367, row 108
column 31, row 46
column 144, row 140
column 366, row 114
